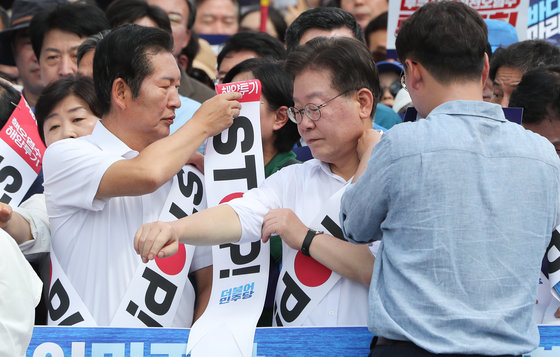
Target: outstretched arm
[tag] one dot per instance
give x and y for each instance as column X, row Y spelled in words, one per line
column 216, row 225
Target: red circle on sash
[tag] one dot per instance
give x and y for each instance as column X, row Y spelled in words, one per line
column 174, row 264
column 309, row 271
column 231, row 196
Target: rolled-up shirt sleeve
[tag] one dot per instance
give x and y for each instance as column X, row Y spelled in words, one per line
column 34, row 211
column 364, row 204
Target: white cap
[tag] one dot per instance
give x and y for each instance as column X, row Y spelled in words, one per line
column 402, row 101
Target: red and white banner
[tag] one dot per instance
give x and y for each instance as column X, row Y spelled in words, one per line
column 513, row 11
column 21, row 153
column 234, row 164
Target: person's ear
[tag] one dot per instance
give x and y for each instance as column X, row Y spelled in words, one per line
column 183, row 62
column 485, row 69
column 366, row 101
column 414, row 74
column 121, row 93
column 281, row 117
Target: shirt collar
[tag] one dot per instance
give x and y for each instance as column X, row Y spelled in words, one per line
column 327, row 169
column 471, row 108
column 107, row 141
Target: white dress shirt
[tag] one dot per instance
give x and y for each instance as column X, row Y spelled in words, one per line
column 93, row 239
column 304, row 189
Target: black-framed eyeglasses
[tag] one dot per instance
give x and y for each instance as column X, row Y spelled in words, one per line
column 312, row 111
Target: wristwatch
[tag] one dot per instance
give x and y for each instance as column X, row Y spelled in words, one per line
column 311, row 233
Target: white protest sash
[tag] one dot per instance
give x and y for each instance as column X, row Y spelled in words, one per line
column 65, row 307
column 553, row 257
column 154, row 294
column 234, row 164
column 21, row 152
column 303, row 281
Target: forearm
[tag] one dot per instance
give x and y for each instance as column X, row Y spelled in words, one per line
column 155, row 165
column 158, row 162
column 19, row 228
column 351, row 261
column 365, row 145
column 212, row 226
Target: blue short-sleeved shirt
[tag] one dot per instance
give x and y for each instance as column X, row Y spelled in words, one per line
column 464, row 203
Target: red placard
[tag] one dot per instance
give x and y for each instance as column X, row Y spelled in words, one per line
column 251, row 90
column 21, row 134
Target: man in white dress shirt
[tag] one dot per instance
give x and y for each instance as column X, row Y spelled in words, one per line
column 324, row 279
column 100, row 188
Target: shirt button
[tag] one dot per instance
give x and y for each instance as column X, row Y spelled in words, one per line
column 331, row 313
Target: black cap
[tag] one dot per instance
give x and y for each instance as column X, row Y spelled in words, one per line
column 22, row 13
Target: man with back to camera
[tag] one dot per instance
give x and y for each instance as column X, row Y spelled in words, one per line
column 461, row 237
column 100, row 188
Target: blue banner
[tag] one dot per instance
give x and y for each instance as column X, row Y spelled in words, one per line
column 544, row 20
column 269, row 342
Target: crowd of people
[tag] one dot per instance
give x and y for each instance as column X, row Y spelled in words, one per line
column 439, row 228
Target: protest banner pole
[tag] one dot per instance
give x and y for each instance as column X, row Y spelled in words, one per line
column 264, row 15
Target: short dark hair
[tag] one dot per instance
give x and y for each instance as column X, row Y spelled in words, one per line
column 538, row 94
column 261, row 43
column 191, row 50
column 192, row 14
column 277, row 88
column 90, row 44
column 9, row 99
column 376, row 24
column 525, row 56
column 448, row 38
column 348, row 61
column 80, row 86
column 121, row 12
column 79, row 18
column 324, row 18
column 125, row 53
column 280, row 25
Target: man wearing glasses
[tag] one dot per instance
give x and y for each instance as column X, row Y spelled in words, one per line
column 462, row 202
column 324, row 277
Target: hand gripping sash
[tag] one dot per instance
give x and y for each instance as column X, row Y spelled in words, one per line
column 303, row 281
column 234, row 164
column 156, row 291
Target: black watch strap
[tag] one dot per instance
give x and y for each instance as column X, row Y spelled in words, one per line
column 311, row 233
